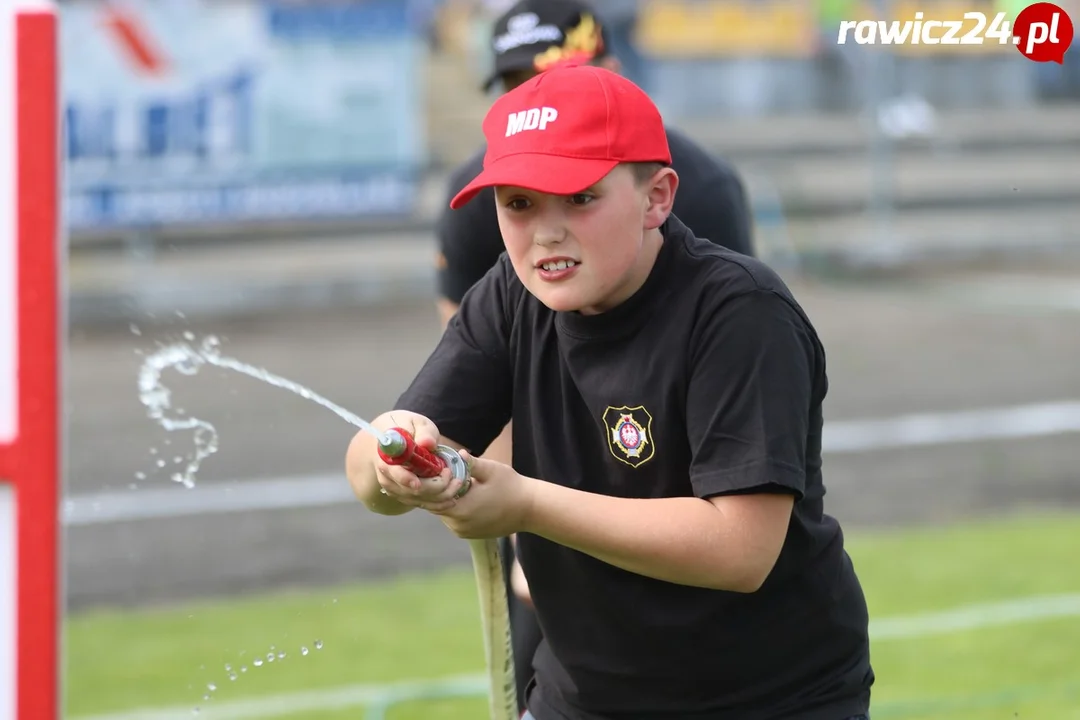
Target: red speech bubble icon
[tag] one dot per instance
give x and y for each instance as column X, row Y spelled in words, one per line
column 1043, row 32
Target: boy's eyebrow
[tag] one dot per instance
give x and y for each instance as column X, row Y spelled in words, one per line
column 513, row 188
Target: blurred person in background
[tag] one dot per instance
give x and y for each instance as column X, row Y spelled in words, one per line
column 528, row 38
column 620, row 24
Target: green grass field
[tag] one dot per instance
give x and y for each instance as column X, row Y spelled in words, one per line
column 428, row 627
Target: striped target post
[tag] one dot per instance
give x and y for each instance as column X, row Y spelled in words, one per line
column 31, row 330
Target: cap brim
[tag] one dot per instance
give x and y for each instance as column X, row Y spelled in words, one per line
column 533, row 171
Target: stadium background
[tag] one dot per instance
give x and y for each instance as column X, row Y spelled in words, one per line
column 269, row 172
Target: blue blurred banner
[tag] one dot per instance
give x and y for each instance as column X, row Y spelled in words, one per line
column 187, row 111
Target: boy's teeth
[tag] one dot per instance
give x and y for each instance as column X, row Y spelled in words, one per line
column 561, row 265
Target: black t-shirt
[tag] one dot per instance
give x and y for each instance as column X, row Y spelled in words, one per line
column 708, row 380
column 711, row 201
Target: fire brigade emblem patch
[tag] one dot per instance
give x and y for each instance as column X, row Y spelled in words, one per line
column 629, row 434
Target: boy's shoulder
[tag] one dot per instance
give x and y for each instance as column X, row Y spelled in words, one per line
column 716, row 269
column 499, row 289
column 710, row 283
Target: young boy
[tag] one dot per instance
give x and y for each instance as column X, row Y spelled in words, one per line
column 666, row 403
column 712, row 202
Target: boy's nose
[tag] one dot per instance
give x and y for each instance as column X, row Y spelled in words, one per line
column 548, row 236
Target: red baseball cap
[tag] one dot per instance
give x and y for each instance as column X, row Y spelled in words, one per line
column 565, row 129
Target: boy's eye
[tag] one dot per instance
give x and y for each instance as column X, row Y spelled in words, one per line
column 581, row 199
column 518, row 203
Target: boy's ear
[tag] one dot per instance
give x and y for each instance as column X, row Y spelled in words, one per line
column 660, row 197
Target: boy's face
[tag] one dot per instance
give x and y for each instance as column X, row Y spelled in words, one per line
column 589, row 251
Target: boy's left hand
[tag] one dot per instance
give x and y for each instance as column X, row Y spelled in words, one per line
column 496, row 505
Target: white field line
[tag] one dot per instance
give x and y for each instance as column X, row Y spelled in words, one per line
column 207, row 498
column 840, row 437
column 339, row 698
column 976, row 617
column 904, row 431
column 1013, row 292
column 904, row 627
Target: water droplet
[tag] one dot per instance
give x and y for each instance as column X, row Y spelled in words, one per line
column 257, row 662
column 281, row 656
column 188, row 366
column 178, row 459
column 243, row 668
column 181, row 315
column 269, row 657
column 140, row 476
column 195, row 711
column 183, row 479
column 232, row 676
column 205, row 698
column 153, row 451
column 304, row 651
column 160, row 463
column 189, row 359
column 211, row 347
column 211, row 687
column 273, row 647
column 228, row 667
column 318, row 644
column 335, row 601
column 134, row 329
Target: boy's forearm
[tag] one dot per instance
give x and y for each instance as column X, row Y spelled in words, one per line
column 682, row 540
column 361, row 473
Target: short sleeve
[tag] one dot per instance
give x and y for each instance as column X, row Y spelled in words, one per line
column 756, row 375
column 469, row 239
column 465, row 385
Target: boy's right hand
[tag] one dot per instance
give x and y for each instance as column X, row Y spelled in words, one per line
column 376, row 481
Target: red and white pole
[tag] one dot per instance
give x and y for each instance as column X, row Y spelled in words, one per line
column 31, row 339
